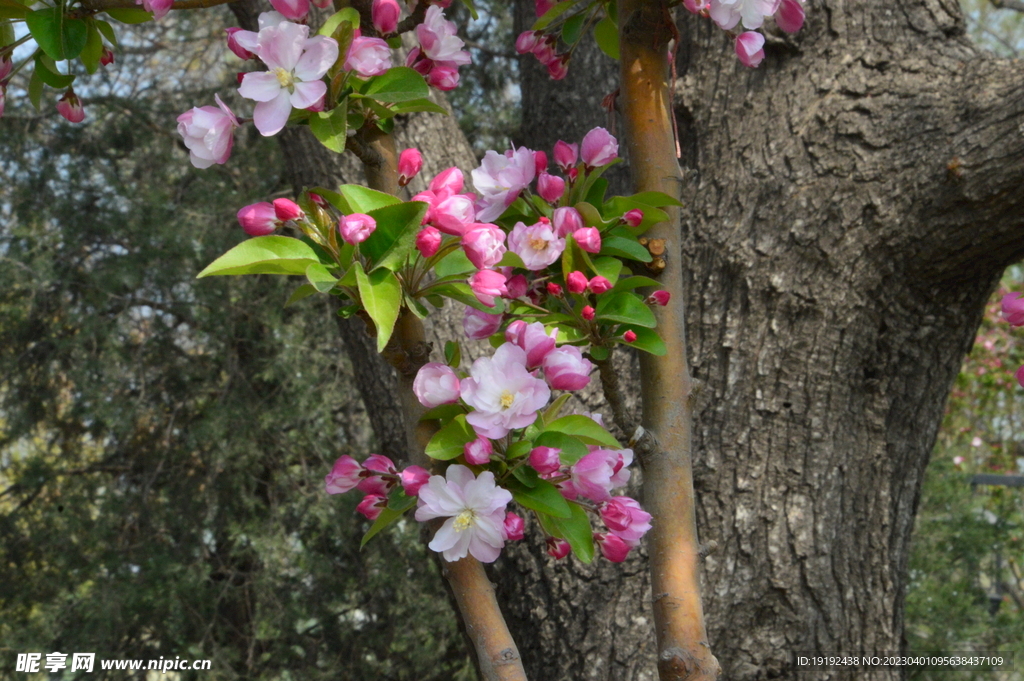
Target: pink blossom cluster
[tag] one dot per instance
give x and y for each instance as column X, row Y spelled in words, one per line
column 544, row 46
column 1013, row 313
column 264, row 218
column 440, row 52
column 749, row 45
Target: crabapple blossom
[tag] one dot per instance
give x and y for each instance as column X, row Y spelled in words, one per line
column 234, row 45
column 475, row 511
column 749, row 48
column 790, row 16
column 566, row 154
column 534, row 339
column 559, row 68
column 478, row 324
column 293, row 10
column 208, row 133
column 537, row 245
column 484, row 245
column 356, row 228
column 410, row 163
column 413, row 478
column 499, row 179
column 514, row 527
column 1019, row 375
column 453, row 215
column 587, row 312
column 258, row 219
column 159, row 8
column 378, row 463
column 589, row 239
column 612, row 547
column 443, row 77
column 577, row 282
column 550, row 187
column 728, row 13
column 503, row 394
column 695, row 6
column 540, row 162
column 545, row 50
column 436, row 384
column 286, row 209
column 107, row 56
column 373, row 484
column 629, row 336
column 447, row 183
column 566, row 220
column 488, row 285
column 296, row 63
column 368, row 56
column 558, row 548
column 634, row 217
column 385, row 15
column 554, row 289
column 660, row 297
column 624, row 518
column 598, row 473
column 599, row 285
column 478, row 452
column 372, row 505
column 344, row 476
column 428, row 241
column 514, row 330
column 545, row 460
column 517, row 286
column 70, row 107
column 438, row 40
column 249, row 40
column 599, row 148
column 565, row 368
column 542, row 6
column 528, row 40
column 1013, row 309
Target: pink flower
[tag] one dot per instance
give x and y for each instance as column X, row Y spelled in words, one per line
column 484, row 245
column 958, row 461
column 436, row 384
column 559, row 68
column 344, row 476
column 5, row 67
column 542, row 6
column 378, row 463
column 293, row 10
column 540, row 162
column 373, row 484
column 438, row 40
column 1013, row 309
column 475, row 512
column 368, row 56
column 554, row 289
column 600, row 471
column 550, row 187
column 208, row 133
column 258, row 219
column 478, row 452
column 454, row 215
column 410, row 163
column 528, row 40
column 488, row 285
column 545, row 50
column 624, row 518
column 612, row 547
column 447, row 183
column 428, row 241
column 514, row 527
column 599, row 148
column 634, row 217
column 577, row 282
column 749, row 48
column 372, row 505
column 558, row 548
column 503, row 394
column 545, row 460
column 323, row 4
column 587, row 313
column 107, row 56
column 790, row 17
column 629, row 336
column 159, row 8
column 296, row 63
column 385, row 15
column 599, row 285
column 534, row 339
column 566, row 369
column 517, row 286
column 499, row 179
column 589, row 239
column 566, row 220
column 514, row 331
column 695, row 6
column 444, row 77
column 565, row 154
column 478, row 324
column 1019, row 375
column 356, row 227
column 537, row 245
column 70, row 107
column 660, row 298
column 728, row 13
column 413, row 478
column 286, row 209
column 235, row 47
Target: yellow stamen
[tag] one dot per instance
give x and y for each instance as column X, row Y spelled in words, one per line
column 537, row 243
column 463, row 520
column 283, row 77
column 507, row 399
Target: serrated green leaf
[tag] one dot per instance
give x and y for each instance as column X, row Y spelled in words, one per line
column 626, row 308
column 656, row 199
column 93, row 49
column 398, row 504
column 349, row 14
column 575, row 530
column 263, row 255
column 330, row 127
column 304, row 291
column 360, row 199
column 128, row 15
column 596, row 192
column 552, row 14
column 318, row 276
column 572, row 449
column 624, row 248
column 395, row 236
column 57, row 35
column 599, row 353
column 48, row 76
column 450, row 441
column 398, row 84
column 543, row 498
column 606, row 33
column 585, row 428
column 647, row 340
column 380, row 293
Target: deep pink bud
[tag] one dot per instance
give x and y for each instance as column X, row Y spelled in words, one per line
column 484, row 245
column 293, row 10
column 589, row 239
column 528, row 40
column 559, row 68
column 566, row 154
column 545, row 50
column 233, row 45
column 436, row 384
column 410, row 163
column 566, row 369
column 258, row 219
column 514, row 332
column 750, row 48
column 428, row 241
column 634, row 217
column 478, row 452
column 1013, row 309
column 629, row 336
column 107, row 57
column 612, row 547
column 790, row 16
column 695, row 6
column 240, row 76
column 587, row 312
column 558, row 548
column 356, row 228
column 344, row 476
column 517, row 286
column 447, row 183
column 566, row 221
column 444, row 77
column 368, row 57
column 1020, row 376
column 577, row 282
column 286, row 209
column 70, row 107
column 378, row 463
column 385, row 15
column 545, row 460
column 324, row 4
column 542, row 6
column 488, row 285
column 573, row 173
column 413, row 478
column 513, row 527
column 478, row 324
column 599, row 148
column 372, row 505
column 540, row 162
column 550, row 187
column 600, row 285
column 660, row 298
column 554, row 289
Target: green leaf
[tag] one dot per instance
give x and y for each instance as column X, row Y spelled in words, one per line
column 93, row 49
column 107, row 30
column 419, row 105
column 450, row 441
column 360, row 199
column 606, row 33
column 443, row 412
column 35, row 90
column 330, row 126
column 11, row 10
column 318, row 276
column 349, row 14
column 58, row 36
column 656, row 199
column 395, row 236
column 646, row 340
column 616, row 207
column 48, row 76
column 518, row 449
column 624, row 248
column 599, row 352
column 552, row 14
column 460, row 291
column 380, row 293
column 510, row 259
column 551, row 413
column 526, row 475
column 608, row 268
column 583, row 427
column 573, row 28
column 454, row 263
column 544, row 498
column 128, row 15
column 595, row 195
column 575, row 530
column 398, row 84
column 626, row 308
column 398, row 504
column 452, row 354
column 304, row 291
column 263, row 255
column 471, row 6
column 630, row 283
column 572, row 449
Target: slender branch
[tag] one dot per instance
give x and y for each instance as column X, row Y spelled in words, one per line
column 665, row 454
column 1015, row 5
column 100, row 5
column 613, row 393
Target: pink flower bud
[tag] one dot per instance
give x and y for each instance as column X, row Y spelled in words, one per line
column 428, row 241
column 629, row 336
column 589, row 239
column 577, row 282
column 634, row 217
column 258, row 219
column 444, row 77
column 612, row 548
column 1013, row 309
column 356, row 228
column 545, row 50
column 599, row 285
column 286, row 209
column 540, row 162
column 447, row 183
column 372, row 505
column 750, row 48
column 454, row 215
column 599, row 148
column 565, row 154
column 233, row 45
column 550, row 187
column 587, row 313
column 413, row 478
column 528, row 40
column 554, row 289
column 410, row 163
column 514, row 332
column 344, row 476
column 385, row 15
column 378, row 463
column 537, row 342
column 517, row 286
column 626, row 519
column 573, row 173
column 70, row 107
column 323, row 4
column 542, row 6
column 159, row 8
column 293, row 10
column 318, row 105
column 107, row 56
column 484, row 245
column 418, row 61
column 488, row 285
column 1020, row 376
column 790, row 16
column 478, row 324
column 695, row 6
column 368, row 56
column 513, row 528
column 545, row 460
column 559, row 68
column 6, row 65
column 660, row 298
column 558, row 548
column 436, row 384
column 566, row 221
column 478, row 452
column 566, row 369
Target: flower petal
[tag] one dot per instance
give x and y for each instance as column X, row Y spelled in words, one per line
column 320, row 55
column 261, row 87
column 270, row 117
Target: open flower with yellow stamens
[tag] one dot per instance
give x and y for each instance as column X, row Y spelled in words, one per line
column 475, row 508
column 503, row 394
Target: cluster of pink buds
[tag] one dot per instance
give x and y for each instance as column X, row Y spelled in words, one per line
column 749, row 45
column 1013, row 313
column 374, row 477
column 545, row 48
column 263, row 218
column 440, row 52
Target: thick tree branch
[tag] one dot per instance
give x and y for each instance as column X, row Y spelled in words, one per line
column 666, row 457
column 1015, row 5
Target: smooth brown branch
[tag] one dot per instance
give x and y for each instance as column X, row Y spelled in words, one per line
column 665, row 454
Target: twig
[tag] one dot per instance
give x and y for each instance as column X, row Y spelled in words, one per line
column 1015, row 5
